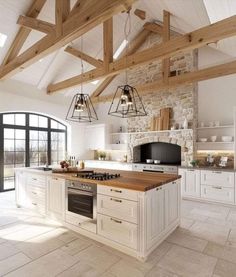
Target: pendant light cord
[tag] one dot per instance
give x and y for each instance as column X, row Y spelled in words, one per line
column 127, row 31
column 82, row 65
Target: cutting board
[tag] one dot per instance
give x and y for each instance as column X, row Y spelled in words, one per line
column 165, row 115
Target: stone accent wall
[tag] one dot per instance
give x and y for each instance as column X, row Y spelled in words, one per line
column 182, row 100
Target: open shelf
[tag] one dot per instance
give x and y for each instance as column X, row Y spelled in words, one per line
column 215, row 127
column 147, row 132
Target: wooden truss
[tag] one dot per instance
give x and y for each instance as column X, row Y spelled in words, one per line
column 87, row 14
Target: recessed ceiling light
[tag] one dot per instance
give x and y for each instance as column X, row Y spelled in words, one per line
column 120, row 49
column 95, row 82
column 3, row 39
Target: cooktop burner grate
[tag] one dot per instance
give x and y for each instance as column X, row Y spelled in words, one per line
column 101, row 176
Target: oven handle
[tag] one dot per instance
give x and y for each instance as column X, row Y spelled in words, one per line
column 80, row 192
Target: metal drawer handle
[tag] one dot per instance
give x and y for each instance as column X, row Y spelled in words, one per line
column 34, row 179
column 34, row 204
column 190, row 169
column 54, row 178
column 34, row 192
column 218, row 172
column 159, row 188
column 116, row 190
column 116, row 221
column 116, row 200
column 217, row 187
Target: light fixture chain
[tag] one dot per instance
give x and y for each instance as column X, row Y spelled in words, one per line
column 82, row 64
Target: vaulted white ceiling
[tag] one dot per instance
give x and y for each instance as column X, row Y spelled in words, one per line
column 187, row 15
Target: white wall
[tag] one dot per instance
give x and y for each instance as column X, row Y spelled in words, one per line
column 216, row 97
column 14, row 96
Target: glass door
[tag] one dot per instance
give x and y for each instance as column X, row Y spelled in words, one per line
column 14, row 155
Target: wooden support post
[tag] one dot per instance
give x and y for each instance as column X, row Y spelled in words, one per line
column 166, row 37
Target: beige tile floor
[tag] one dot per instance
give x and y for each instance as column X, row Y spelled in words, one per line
column 30, row 245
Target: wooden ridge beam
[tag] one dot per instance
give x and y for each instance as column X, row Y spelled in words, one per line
column 89, row 16
column 83, row 56
column 153, row 27
column 36, row 24
column 23, row 33
column 133, row 47
column 186, row 78
column 214, row 32
column 166, row 37
column 107, row 42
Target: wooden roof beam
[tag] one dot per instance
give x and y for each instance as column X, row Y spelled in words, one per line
column 87, row 17
column 107, row 43
column 201, row 37
column 23, row 33
column 36, row 24
column 134, row 45
column 83, row 56
column 153, row 27
column 186, row 78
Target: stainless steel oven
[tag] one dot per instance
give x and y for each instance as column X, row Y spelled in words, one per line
column 81, row 203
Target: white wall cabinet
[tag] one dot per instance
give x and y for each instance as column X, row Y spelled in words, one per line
column 56, row 197
column 97, row 136
column 190, row 182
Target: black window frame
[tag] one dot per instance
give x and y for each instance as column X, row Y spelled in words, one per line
column 27, row 129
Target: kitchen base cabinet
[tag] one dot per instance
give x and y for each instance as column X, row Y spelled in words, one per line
column 131, row 221
column 208, row 185
column 190, row 182
column 56, row 198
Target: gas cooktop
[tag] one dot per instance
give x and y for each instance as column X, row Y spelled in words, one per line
column 101, row 176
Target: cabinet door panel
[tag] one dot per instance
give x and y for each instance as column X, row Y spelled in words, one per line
column 117, row 230
column 218, row 193
column 119, row 208
column 220, row 178
column 171, row 203
column 190, row 182
column 155, row 215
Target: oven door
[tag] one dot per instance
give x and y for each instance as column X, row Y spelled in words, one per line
column 80, row 202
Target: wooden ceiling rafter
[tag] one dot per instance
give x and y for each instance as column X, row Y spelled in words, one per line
column 85, row 57
column 36, row 24
column 201, row 37
column 23, row 33
column 107, row 43
column 153, row 27
column 85, row 17
column 183, row 79
column 134, row 45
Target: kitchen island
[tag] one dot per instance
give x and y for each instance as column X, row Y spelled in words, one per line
column 133, row 213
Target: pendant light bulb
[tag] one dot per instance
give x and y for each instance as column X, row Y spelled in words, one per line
column 123, row 102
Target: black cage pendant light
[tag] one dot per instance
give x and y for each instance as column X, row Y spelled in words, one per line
column 81, row 108
column 126, row 100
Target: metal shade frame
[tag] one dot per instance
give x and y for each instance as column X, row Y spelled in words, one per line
column 87, row 115
column 136, row 109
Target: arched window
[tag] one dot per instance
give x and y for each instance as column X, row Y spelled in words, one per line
column 29, row 139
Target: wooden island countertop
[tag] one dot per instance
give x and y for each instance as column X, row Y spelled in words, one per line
column 139, row 181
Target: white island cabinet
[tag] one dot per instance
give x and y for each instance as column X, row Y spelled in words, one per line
column 132, row 221
column 56, row 198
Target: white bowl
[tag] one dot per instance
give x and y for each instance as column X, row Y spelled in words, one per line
column 213, row 138
column 149, row 161
column 226, row 138
column 203, row 139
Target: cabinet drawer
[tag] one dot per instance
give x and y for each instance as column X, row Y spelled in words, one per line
column 117, row 207
column 219, row 178
column 36, row 180
column 117, row 230
column 38, row 206
column 218, row 193
column 118, row 192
